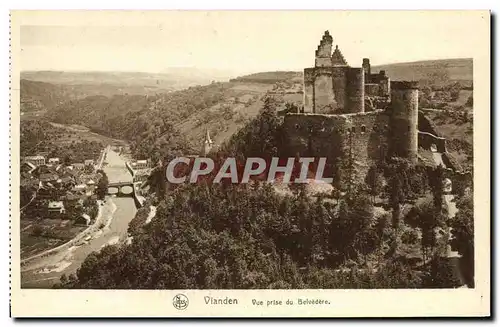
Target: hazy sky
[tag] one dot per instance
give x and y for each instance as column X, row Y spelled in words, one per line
column 236, row 41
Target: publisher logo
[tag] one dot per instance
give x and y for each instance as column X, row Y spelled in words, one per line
column 180, row 302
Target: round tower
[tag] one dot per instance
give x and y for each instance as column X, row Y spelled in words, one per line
column 355, row 90
column 404, row 119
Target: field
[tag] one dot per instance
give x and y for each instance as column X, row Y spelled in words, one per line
column 55, row 232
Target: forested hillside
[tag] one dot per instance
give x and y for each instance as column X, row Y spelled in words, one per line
column 248, row 236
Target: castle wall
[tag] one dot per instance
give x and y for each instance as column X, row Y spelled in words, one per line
column 404, row 119
column 372, row 89
column 385, row 87
column 324, row 97
column 362, row 137
column 339, row 78
column 323, row 62
column 355, row 90
column 309, row 90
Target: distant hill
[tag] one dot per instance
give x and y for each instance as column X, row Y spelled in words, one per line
column 437, row 72
column 37, row 96
column 270, row 77
column 131, row 82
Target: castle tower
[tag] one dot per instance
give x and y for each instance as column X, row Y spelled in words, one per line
column 404, row 119
column 323, row 97
column 355, row 90
column 207, row 144
column 324, row 51
column 367, row 67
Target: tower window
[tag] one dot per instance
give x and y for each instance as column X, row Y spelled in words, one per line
column 297, row 126
column 353, row 130
column 363, row 129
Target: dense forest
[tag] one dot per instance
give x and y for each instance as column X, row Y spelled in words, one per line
column 249, row 236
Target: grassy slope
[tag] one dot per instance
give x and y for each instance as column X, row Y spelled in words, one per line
column 439, row 71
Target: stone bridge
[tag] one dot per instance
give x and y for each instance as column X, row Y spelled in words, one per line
column 121, row 189
column 126, row 189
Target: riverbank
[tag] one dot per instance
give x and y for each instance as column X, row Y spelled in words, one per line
column 28, row 262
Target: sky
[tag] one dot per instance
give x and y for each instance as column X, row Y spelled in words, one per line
column 244, row 41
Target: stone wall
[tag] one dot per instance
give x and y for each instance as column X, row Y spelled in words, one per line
column 426, row 140
column 372, row 89
column 339, row 84
column 362, row 137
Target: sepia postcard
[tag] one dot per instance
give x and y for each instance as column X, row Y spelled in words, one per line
column 250, row 164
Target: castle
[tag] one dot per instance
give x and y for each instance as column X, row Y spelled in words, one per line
column 350, row 113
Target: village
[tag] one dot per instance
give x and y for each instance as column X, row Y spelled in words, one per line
column 58, row 199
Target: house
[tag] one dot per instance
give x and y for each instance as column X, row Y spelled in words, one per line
column 141, row 164
column 79, row 187
column 48, row 177
column 78, row 165
column 68, row 181
column 70, row 197
column 88, row 162
column 27, row 167
column 35, row 160
column 56, row 207
column 84, row 219
column 54, row 161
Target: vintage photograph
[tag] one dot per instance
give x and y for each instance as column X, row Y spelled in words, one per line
column 240, row 151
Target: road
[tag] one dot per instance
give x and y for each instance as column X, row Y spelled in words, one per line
column 452, row 255
column 47, row 271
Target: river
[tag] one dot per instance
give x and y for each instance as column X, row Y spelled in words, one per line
column 47, row 271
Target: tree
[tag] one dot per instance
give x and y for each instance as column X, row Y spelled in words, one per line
column 375, row 181
column 436, row 179
column 443, row 273
column 463, row 237
column 429, row 220
column 102, row 186
column 399, row 189
column 470, row 101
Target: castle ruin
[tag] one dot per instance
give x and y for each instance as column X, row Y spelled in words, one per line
column 352, row 116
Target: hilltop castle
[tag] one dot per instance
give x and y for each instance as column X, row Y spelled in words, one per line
column 351, row 113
